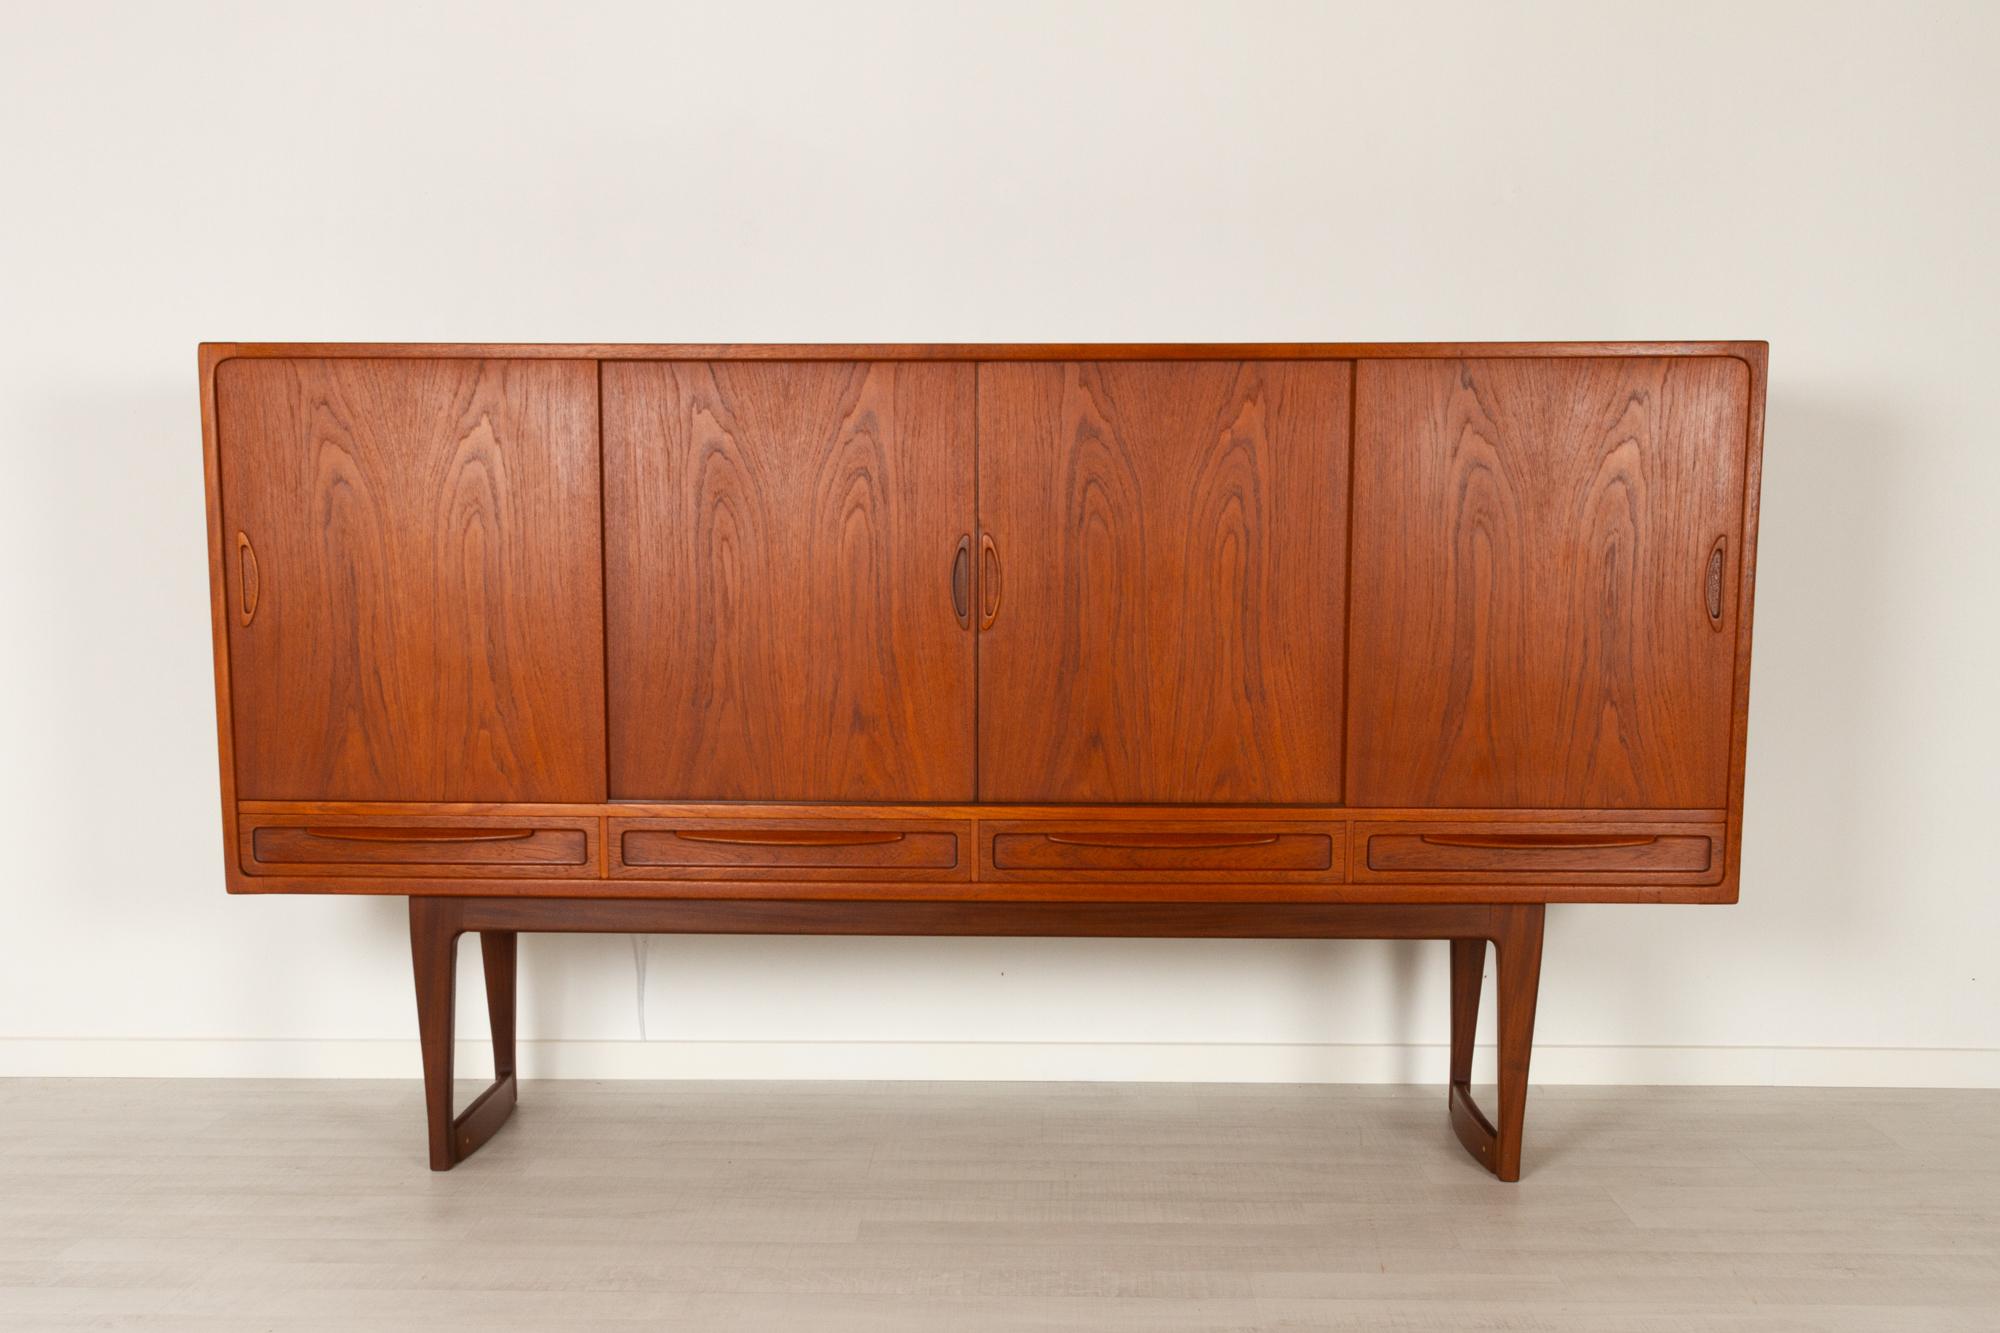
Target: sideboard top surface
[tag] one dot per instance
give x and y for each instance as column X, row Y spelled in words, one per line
column 1752, row 352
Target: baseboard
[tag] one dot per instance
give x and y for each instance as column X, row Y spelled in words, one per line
column 1176, row 1062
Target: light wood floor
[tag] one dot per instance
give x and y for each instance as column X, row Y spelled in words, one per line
column 886, row 1207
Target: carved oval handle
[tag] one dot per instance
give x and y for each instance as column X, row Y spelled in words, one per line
column 1718, row 559
column 247, row 585
column 961, row 582
column 989, row 580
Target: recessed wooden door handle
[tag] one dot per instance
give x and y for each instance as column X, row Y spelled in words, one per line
column 1532, row 841
column 989, row 580
column 422, row 834
column 1718, row 559
column 1180, row 841
column 246, row 578
column 791, row 837
column 961, row 582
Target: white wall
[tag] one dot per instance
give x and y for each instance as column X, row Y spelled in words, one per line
column 1823, row 176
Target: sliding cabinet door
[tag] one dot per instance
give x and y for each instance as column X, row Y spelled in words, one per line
column 414, row 602
column 1544, row 583
column 787, row 564
column 1162, row 572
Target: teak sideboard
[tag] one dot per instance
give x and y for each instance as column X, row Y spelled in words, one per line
column 1331, row 640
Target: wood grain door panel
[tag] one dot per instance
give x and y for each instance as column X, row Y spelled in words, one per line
column 780, row 548
column 1543, row 583
column 1170, row 545
column 415, row 546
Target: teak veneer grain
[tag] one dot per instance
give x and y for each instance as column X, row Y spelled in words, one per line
column 424, row 532
column 780, row 548
column 1286, row 640
column 1547, row 538
column 1174, row 536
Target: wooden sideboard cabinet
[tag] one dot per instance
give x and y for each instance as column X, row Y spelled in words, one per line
column 1400, row 641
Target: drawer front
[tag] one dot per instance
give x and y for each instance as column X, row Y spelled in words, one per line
column 418, row 845
column 1155, row 850
column 778, row 849
column 1453, row 852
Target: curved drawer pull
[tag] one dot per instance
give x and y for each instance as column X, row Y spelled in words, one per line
column 1527, row 842
column 1177, row 841
column 421, row 834
column 792, row 837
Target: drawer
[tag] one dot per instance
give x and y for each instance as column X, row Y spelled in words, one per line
column 778, row 849
column 1460, row 852
column 418, row 845
column 1159, row 850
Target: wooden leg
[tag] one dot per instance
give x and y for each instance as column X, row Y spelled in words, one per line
column 1468, row 967
column 434, row 959
column 1514, row 930
column 435, row 927
column 497, row 952
column 1517, row 944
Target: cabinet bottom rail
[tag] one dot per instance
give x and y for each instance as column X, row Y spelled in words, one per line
column 1514, row 930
